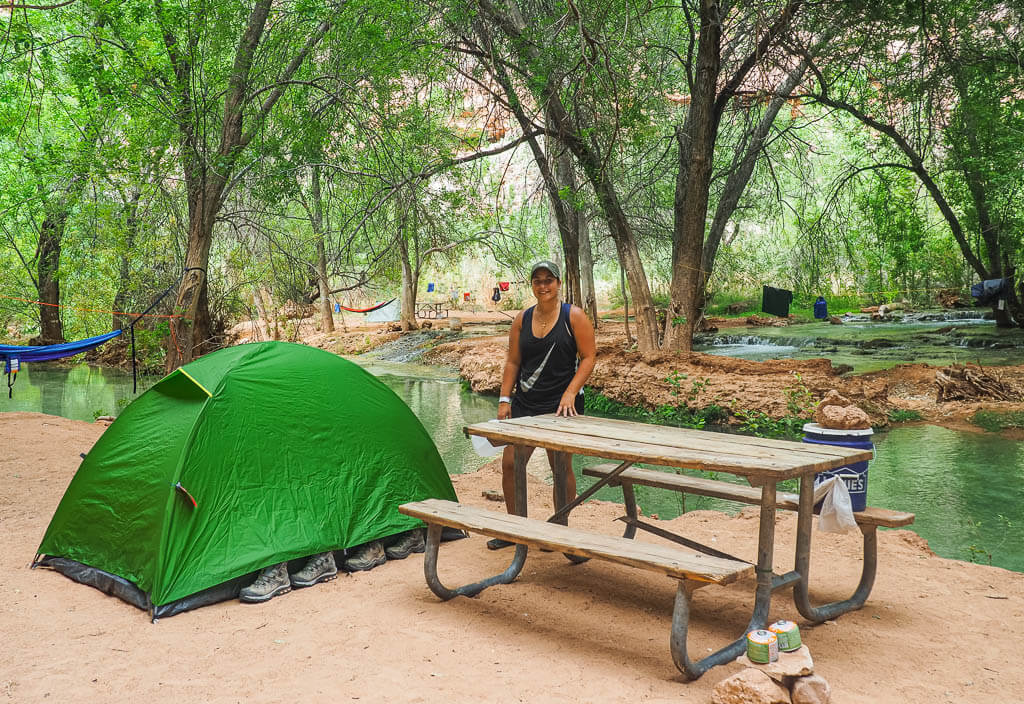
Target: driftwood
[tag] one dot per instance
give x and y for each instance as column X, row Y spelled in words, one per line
column 758, row 321
column 973, row 383
column 950, row 298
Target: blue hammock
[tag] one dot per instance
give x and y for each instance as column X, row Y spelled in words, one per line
column 14, row 355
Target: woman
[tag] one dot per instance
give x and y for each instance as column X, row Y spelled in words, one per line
column 551, row 353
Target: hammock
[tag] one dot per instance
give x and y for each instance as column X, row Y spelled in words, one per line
column 14, row 355
column 366, row 310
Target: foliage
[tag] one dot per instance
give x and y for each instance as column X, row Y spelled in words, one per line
column 902, row 415
column 995, row 421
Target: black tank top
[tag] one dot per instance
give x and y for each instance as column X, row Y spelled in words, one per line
column 547, row 365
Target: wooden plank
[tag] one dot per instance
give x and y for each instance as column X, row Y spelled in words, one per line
column 738, row 492
column 688, row 437
column 716, row 458
column 670, row 560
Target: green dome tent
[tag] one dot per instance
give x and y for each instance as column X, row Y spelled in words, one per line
column 246, row 457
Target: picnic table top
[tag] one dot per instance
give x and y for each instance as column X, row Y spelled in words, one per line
column 669, row 446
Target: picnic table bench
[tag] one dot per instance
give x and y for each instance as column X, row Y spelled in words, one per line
column 763, row 462
column 867, row 520
column 692, row 569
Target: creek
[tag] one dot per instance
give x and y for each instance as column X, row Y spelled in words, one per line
column 966, row 488
column 938, row 338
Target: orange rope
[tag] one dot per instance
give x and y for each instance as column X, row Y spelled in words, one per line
column 88, row 310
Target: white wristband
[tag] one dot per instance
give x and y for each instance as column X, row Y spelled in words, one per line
column 504, row 399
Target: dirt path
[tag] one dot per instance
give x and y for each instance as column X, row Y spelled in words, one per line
column 934, row 630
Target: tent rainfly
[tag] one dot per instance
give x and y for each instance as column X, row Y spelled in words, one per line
column 247, row 457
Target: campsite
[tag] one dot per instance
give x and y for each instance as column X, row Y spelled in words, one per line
column 511, row 351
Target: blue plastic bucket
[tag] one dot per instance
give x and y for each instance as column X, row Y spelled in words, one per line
column 855, row 475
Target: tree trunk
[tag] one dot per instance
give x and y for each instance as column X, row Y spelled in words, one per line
column 565, row 183
column 326, row 312
column 696, row 156
column 51, row 331
column 587, row 270
column 121, row 298
column 408, row 315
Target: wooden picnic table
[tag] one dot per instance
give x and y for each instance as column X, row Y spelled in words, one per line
column 763, row 462
column 431, row 310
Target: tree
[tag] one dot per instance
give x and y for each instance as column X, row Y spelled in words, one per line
column 940, row 85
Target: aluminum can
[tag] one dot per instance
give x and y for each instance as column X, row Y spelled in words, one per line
column 762, row 646
column 788, row 634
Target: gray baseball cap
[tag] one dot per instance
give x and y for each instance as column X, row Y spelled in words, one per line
column 545, row 264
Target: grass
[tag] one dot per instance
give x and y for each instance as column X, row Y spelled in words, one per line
column 900, row 415
column 994, row 421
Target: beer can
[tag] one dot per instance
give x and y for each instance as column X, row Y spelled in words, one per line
column 762, row 646
column 788, row 634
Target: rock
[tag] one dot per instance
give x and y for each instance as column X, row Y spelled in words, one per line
column 811, row 690
column 738, row 307
column 835, row 320
column 795, row 664
column 105, row 419
column 749, row 687
column 842, row 418
column 492, row 495
column 426, row 325
column 834, row 398
column 838, row 412
column 455, row 323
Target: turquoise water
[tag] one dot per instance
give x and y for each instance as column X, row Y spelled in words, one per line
column 966, row 488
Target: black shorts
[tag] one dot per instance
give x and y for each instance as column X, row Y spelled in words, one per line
column 519, row 410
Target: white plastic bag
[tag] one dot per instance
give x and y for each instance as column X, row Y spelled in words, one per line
column 483, row 447
column 836, row 509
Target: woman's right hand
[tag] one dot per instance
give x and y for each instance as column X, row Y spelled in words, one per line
column 504, row 410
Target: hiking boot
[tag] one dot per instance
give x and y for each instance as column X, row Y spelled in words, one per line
column 408, row 542
column 319, row 568
column 272, row 581
column 369, row 556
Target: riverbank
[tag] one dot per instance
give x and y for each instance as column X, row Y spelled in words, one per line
column 772, row 387
column 933, row 630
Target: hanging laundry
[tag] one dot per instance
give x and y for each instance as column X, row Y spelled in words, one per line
column 776, row 301
column 987, row 292
column 465, row 296
column 496, row 296
column 503, row 285
column 337, row 307
column 430, row 288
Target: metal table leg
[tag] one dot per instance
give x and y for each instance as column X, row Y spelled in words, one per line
column 762, row 599
column 443, row 592
column 802, row 562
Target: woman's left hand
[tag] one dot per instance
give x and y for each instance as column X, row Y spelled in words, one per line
column 567, row 405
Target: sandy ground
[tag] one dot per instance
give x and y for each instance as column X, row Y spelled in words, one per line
column 933, row 630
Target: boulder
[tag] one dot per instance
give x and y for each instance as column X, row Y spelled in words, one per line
column 749, row 687
column 454, row 323
column 838, row 412
column 842, row 418
column 813, row 689
column 835, row 320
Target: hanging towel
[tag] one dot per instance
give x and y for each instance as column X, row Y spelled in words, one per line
column 430, row 288
column 503, row 285
column 776, row 301
column 465, row 296
column 496, row 296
